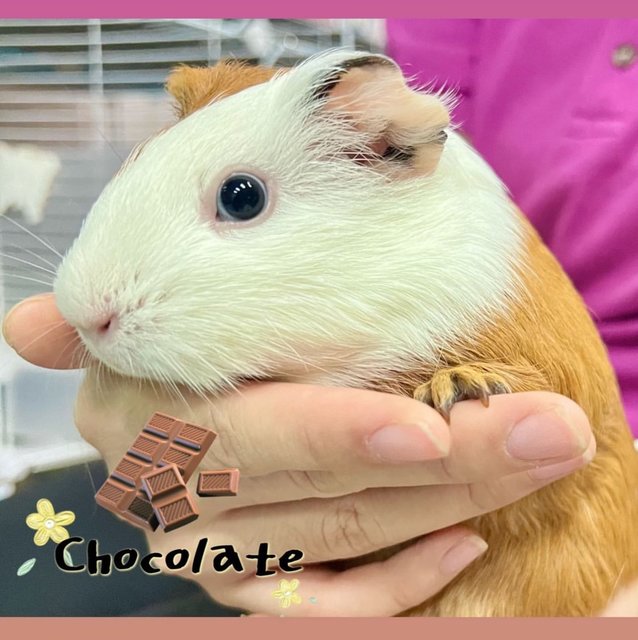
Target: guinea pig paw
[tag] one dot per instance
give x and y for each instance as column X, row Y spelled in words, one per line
column 465, row 382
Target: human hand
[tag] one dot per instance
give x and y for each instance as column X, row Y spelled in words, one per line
column 337, row 473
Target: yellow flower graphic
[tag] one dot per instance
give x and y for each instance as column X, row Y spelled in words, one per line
column 286, row 593
column 48, row 523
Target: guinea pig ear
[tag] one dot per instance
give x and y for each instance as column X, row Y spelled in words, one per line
column 404, row 130
column 195, row 87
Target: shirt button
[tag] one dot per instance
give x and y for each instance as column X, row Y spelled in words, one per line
column 624, row 56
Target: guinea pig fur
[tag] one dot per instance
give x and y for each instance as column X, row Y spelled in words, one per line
column 388, row 256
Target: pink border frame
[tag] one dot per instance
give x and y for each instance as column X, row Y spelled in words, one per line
column 490, row 629
column 319, row 628
column 325, row 9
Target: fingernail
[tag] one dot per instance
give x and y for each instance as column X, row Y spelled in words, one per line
column 555, row 471
column 461, row 554
column 546, row 436
column 406, row 443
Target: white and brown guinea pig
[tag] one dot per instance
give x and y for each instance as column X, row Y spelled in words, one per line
column 325, row 224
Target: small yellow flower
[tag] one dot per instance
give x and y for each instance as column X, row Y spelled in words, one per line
column 286, row 593
column 48, row 523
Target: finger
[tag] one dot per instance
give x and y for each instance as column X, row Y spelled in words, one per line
column 374, row 519
column 329, row 438
column 311, row 427
column 384, row 588
column 36, row 330
column 484, row 441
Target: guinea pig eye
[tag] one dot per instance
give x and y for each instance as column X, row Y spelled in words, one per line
column 241, row 197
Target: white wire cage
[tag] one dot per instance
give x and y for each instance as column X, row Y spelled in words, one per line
column 85, row 92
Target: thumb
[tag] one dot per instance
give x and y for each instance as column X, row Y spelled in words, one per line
column 36, row 330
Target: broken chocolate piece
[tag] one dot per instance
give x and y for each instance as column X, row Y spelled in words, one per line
column 224, row 482
column 175, row 511
column 140, row 512
column 127, row 502
column 161, row 481
column 170, row 499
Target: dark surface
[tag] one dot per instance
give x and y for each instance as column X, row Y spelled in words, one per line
column 48, row 591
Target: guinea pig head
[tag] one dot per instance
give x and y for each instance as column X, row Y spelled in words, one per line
column 306, row 224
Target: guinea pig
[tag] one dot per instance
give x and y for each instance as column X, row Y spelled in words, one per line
column 326, row 224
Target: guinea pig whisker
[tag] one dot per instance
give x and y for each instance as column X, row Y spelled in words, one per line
column 98, row 381
column 296, row 355
column 77, row 351
column 72, row 343
column 181, row 397
column 199, row 393
column 81, row 358
column 152, row 377
column 56, row 325
column 35, row 255
column 218, row 374
column 108, row 142
column 130, row 362
column 93, row 487
column 170, row 386
column 174, row 388
column 618, row 578
column 152, row 380
column 38, row 267
column 33, row 235
column 87, row 361
column 19, row 277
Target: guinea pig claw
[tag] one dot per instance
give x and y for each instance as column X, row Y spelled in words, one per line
column 464, row 382
column 445, row 413
column 484, row 397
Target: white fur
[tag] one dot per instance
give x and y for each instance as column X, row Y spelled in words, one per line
column 353, row 274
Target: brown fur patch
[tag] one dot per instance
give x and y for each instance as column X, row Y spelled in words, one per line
column 195, row 87
column 564, row 549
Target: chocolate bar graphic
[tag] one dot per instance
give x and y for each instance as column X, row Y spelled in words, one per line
column 170, row 499
column 128, row 503
column 163, row 441
column 224, row 482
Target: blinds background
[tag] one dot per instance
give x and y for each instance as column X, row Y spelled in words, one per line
column 89, row 90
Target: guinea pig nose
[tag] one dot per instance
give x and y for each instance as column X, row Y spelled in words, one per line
column 105, row 324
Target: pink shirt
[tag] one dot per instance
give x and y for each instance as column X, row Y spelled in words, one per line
column 553, row 107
